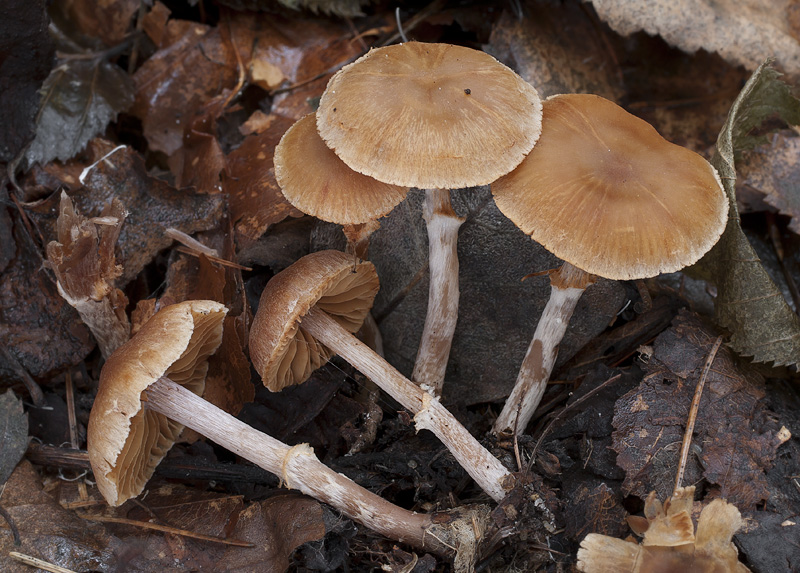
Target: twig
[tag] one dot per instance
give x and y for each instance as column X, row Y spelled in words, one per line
column 698, row 392
column 37, row 397
column 165, row 529
column 73, row 430
column 11, row 525
column 40, row 563
column 569, row 407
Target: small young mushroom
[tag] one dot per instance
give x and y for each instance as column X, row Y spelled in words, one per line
column 670, row 542
column 309, row 310
column 149, row 390
column 436, row 117
column 603, row 191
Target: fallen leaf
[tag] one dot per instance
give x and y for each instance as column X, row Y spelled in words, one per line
column 736, row 442
column 109, row 20
column 744, row 32
column 27, row 58
column 254, row 197
column 48, row 531
column 40, row 330
column 748, row 303
column 153, row 206
column 13, row 434
column 774, row 170
column 79, row 99
column 593, row 508
column 192, row 66
column 558, row 50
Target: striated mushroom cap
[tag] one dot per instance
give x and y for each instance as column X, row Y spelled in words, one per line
column 434, row 116
column 282, row 353
column 604, row 191
column 316, row 181
column 126, row 441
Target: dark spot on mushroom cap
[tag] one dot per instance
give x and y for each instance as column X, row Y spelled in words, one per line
column 467, row 91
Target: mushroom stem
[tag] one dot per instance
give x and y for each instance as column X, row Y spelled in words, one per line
column 298, row 468
column 440, row 321
column 429, row 414
column 567, row 286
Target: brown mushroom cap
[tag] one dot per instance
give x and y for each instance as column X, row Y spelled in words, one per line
column 316, row 181
column 126, row 442
column 605, row 192
column 282, row 353
column 433, row 116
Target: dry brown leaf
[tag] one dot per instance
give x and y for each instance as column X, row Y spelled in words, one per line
column 774, row 170
column 734, row 434
column 193, row 65
column 558, row 50
column 109, row 20
column 255, row 200
column 153, row 206
column 744, row 32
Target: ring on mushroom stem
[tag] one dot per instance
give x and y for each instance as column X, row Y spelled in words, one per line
column 603, row 191
column 310, row 310
column 149, row 390
column 419, row 127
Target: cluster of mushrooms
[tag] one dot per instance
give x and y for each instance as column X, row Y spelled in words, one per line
column 598, row 187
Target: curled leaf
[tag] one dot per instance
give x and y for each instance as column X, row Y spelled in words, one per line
column 749, row 304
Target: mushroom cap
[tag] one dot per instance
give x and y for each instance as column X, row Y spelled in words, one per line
column 282, row 353
column 316, row 181
column 126, row 442
column 433, row 116
column 604, row 191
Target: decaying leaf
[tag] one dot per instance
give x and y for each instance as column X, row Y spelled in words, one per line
column 83, row 261
column 255, row 199
column 670, row 542
column 153, row 206
column 79, row 99
column 749, row 304
column 27, row 56
column 40, row 330
column 774, row 170
column 109, row 20
column 50, row 532
column 743, row 32
column 557, row 49
column 735, row 438
column 13, row 434
column 192, row 66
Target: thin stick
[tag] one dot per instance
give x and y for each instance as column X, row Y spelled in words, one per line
column 698, row 392
column 73, row 430
column 165, row 529
column 40, row 563
column 11, row 525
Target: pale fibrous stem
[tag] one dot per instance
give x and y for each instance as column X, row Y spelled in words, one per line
column 567, row 286
column 297, row 467
column 429, row 414
column 442, row 314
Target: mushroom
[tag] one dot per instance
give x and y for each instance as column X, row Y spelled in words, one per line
column 149, row 390
column 315, row 181
column 310, row 310
column 436, row 117
column 603, row 191
column 670, row 543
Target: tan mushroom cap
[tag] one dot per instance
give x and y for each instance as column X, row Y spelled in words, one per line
column 432, row 116
column 316, row 181
column 604, row 191
column 282, row 353
column 126, row 442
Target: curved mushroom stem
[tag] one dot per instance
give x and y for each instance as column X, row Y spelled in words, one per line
column 440, row 321
column 299, row 468
column 429, row 414
column 567, row 286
